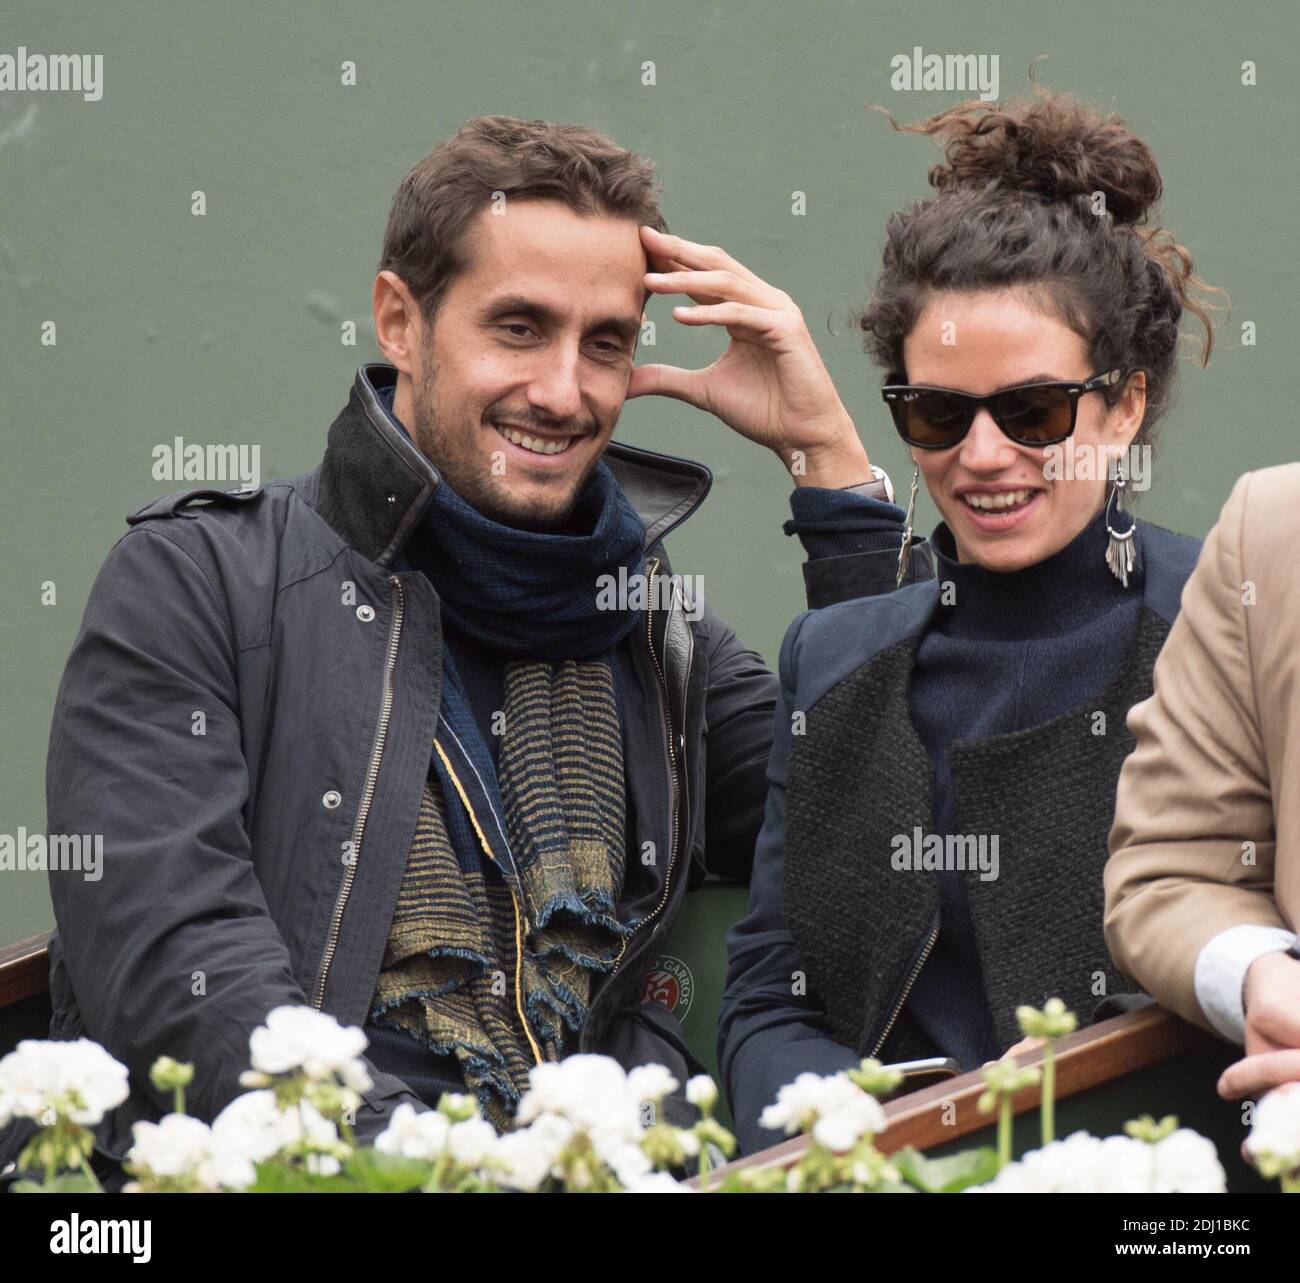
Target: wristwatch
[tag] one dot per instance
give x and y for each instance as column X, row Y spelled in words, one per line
column 879, row 487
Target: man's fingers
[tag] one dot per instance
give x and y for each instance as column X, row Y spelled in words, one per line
column 1257, row 1074
column 664, row 263
column 690, row 254
column 667, row 380
column 713, row 287
column 735, row 316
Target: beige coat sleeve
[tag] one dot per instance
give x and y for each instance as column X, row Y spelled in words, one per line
column 1192, row 845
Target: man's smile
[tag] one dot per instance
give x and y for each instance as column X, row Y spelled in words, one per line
column 537, row 445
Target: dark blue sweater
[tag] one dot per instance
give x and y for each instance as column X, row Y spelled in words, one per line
column 1011, row 651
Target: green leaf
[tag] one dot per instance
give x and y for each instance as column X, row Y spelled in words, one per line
column 948, row 1175
column 281, row 1178
column 68, row 1183
column 387, row 1173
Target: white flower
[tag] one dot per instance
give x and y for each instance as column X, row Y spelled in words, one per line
column 176, row 1146
column 834, row 1109
column 471, row 1143
column 628, row 1162
column 702, row 1091
column 77, row 1080
column 651, row 1082
column 592, row 1094
column 1275, row 1132
column 180, row 1146
column 253, row 1128
column 1187, row 1163
column 302, row 1038
column 524, row 1159
column 591, row 1097
column 413, row 1133
column 658, row 1183
column 1183, row 1162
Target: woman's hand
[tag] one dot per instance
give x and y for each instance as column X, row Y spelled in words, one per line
column 770, row 384
column 1025, row 1044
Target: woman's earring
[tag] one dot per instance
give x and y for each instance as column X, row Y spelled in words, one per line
column 907, row 525
column 1120, row 554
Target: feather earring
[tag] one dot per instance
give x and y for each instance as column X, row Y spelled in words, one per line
column 1120, row 553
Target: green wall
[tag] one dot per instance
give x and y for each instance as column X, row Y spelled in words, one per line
column 226, row 327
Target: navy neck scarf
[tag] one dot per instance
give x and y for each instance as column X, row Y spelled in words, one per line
column 529, row 594
column 535, row 595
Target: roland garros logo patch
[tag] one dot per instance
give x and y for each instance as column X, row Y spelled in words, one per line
column 671, row 983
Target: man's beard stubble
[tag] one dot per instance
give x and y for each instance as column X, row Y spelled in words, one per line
column 462, row 466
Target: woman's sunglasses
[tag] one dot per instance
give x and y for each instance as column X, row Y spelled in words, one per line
column 1034, row 414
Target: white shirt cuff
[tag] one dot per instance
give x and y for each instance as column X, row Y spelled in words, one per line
column 1220, row 974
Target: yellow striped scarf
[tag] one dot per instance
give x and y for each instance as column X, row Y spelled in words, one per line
column 452, row 975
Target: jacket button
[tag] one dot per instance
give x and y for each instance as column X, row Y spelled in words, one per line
column 365, row 613
column 331, row 799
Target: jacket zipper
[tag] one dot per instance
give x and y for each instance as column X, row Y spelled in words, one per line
column 673, row 784
column 907, row 988
column 367, row 793
column 519, row 917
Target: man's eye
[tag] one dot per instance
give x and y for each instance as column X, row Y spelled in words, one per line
column 523, row 330
column 610, row 346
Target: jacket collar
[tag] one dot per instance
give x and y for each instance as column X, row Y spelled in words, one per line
column 375, row 485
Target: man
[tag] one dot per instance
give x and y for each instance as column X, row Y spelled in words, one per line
column 419, row 738
column 1203, row 882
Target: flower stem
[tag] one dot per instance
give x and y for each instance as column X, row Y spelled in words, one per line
column 89, row 1172
column 1047, row 1106
column 1004, row 1130
column 706, row 1166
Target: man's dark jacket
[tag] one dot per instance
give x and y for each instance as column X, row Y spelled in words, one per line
column 253, row 694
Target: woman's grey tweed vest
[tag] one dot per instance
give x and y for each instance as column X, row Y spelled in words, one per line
column 859, row 778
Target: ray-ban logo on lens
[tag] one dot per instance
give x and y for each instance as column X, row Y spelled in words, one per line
column 78, row 73
column 919, row 852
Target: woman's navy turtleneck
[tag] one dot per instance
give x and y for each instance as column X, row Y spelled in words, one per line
column 1011, row 651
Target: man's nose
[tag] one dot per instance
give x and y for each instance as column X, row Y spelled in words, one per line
column 986, row 447
column 555, row 390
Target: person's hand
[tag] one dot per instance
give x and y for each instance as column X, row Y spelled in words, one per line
column 770, row 384
column 1025, row 1044
column 1272, row 998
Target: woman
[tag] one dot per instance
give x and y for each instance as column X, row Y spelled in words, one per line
column 944, row 771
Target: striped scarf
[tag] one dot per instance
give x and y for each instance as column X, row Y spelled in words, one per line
column 492, row 960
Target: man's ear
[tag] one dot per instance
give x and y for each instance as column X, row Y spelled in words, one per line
column 399, row 326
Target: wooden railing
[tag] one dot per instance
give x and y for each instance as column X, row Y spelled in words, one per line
column 948, row 1111
column 24, row 969
column 931, row 1116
